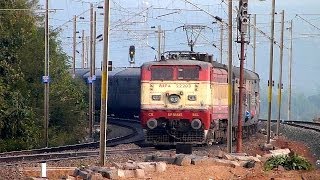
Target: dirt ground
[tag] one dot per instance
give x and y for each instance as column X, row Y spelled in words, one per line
column 251, row 147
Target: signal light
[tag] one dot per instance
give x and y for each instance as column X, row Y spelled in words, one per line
column 131, row 51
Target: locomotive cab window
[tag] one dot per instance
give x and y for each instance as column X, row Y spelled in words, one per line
column 161, row 73
column 188, row 73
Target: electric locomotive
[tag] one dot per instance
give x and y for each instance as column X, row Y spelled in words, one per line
column 184, row 99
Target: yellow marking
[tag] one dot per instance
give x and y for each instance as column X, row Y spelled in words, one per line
column 270, row 94
column 195, row 114
column 229, row 95
column 174, row 114
column 104, row 86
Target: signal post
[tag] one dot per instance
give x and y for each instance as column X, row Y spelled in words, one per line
column 243, row 20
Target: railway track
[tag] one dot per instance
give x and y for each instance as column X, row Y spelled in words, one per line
column 45, row 157
column 134, row 136
column 300, row 124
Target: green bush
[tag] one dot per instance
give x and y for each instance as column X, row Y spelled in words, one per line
column 292, row 162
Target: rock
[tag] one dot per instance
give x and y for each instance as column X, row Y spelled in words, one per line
column 161, row 167
column 76, row 172
column 149, row 158
column 84, row 175
column 130, row 166
column 281, row 152
column 225, row 162
column 229, row 157
column 221, row 154
column 110, row 173
column 263, row 131
column 281, row 168
column 139, row 173
column 169, row 160
column 201, row 160
column 121, row 173
column 266, row 147
column 97, row 176
column 69, row 178
column 129, row 173
column 147, row 166
column 250, row 164
column 182, row 160
column 117, row 165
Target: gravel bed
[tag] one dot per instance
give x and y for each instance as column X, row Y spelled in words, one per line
column 309, row 137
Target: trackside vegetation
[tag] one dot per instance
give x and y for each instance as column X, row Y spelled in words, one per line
column 21, row 89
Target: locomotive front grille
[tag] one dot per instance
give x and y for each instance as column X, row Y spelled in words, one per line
column 164, row 137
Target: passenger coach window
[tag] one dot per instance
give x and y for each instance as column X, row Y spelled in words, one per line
column 161, row 73
column 188, row 73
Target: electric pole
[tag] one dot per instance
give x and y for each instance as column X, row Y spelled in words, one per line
column 104, row 84
column 280, row 73
column 83, row 46
column 270, row 84
column 221, row 43
column 290, row 70
column 230, row 77
column 74, row 46
column 94, row 66
column 254, row 42
column 46, row 78
column 90, row 79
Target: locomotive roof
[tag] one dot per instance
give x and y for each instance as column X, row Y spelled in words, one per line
column 248, row 74
column 130, row 71
column 178, row 62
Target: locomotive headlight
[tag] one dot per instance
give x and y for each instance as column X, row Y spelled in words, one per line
column 173, row 98
column 152, row 123
column 196, row 124
column 156, row 97
column 192, row 97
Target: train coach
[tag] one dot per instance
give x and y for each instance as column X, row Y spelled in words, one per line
column 184, row 99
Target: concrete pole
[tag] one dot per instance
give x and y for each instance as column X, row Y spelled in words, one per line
column 46, row 72
column 280, row 74
column 104, row 84
column 254, row 42
column 290, row 71
column 94, row 65
column 91, row 73
column 74, row 46
column 270, row 73
column 230, row 77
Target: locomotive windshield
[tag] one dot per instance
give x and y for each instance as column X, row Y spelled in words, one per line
column 161, row 73
column 175, row 73
column 188, row 73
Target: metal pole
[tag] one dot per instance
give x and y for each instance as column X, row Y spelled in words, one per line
column 270, row 74
column 46, row 72
column 230, row 95
column 254, row 42
column 221, row 42
column 290, row 71
column 91, row 72
column 104, row 84
column 241, row 90
column 280, row 73
column 74, row 46
column 159, row 42
column 83, row 49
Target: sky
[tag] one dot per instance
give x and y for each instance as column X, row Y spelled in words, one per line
column 131, row 22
